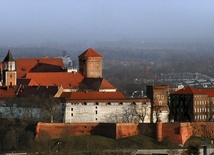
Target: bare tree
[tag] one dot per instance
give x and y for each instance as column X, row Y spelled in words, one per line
column 131, row 113
column 52, row 109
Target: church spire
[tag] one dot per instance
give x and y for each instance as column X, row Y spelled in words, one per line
column 9, row 57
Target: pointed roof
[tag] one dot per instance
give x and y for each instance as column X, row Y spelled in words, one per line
column 189, row 90
column 8, row 57
column 90, row 52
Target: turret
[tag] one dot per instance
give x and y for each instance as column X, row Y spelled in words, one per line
column 90, row 64
column 9, row 70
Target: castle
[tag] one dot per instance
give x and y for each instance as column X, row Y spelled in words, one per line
column 89, row 104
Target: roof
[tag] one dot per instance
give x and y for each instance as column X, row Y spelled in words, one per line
column 8, row 57
column 90, row 52
column 189, row 90
column 95, row 84
column 8, row 91
column 26, row 82
column 93, row 95
column 26, row 65
column 41, row 91
column 64, row 79
column 208, row 91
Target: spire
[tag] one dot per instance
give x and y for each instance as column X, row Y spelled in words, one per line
column 9, row 57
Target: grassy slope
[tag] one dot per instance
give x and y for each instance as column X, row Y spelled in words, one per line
column 101, row 144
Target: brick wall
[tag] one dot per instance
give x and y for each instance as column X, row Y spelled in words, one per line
column 174, row 132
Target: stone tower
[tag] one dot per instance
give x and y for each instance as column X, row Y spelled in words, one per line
column 9, row 70
column 90, row 64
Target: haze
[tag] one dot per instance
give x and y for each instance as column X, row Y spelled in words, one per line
column 40, row 22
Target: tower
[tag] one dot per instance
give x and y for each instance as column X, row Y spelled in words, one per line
column 9, row 70
column 90, row 64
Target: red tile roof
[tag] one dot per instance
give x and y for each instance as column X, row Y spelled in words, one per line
column 208, row 91
column 93, row 95
column 67, row 80
column 189, row 90
column 25, row 65
column 90, row 53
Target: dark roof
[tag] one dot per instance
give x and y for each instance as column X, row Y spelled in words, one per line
column 41, row 91
column 95, row 84
column 8, row 57
column 92, row 95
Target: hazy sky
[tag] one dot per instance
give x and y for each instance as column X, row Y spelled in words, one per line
column 26, row 22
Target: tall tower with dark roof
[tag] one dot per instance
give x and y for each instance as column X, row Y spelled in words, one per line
column 91, row 64
column 9, row 71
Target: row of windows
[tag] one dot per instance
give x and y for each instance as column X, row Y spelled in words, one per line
column 200, row 102
column 199, row 95
column 201, row 117
column 160, row 96
column 109, row 103
column 201, row 110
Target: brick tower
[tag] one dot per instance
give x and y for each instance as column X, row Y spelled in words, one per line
column 90, row 64
column 9, row 70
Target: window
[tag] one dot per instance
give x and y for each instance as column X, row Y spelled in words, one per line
column 11, row 76
column 162, row 96
column 158, row 96
column 96, row 111
column 71, row 114
column 72, row 109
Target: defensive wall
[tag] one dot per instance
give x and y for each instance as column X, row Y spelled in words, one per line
column 174, row 132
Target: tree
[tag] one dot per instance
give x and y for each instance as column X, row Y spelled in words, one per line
column 52, row 110
column 130, row 113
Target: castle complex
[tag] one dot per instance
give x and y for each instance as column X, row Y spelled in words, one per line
column 88, row 101
column 86, row 96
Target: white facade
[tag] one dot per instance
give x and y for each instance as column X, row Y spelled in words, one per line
column 107, row 112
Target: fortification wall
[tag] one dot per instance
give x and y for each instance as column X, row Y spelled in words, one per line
column 126, row 130
column 60, row 130
column 175, row 132
column 203, row 129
